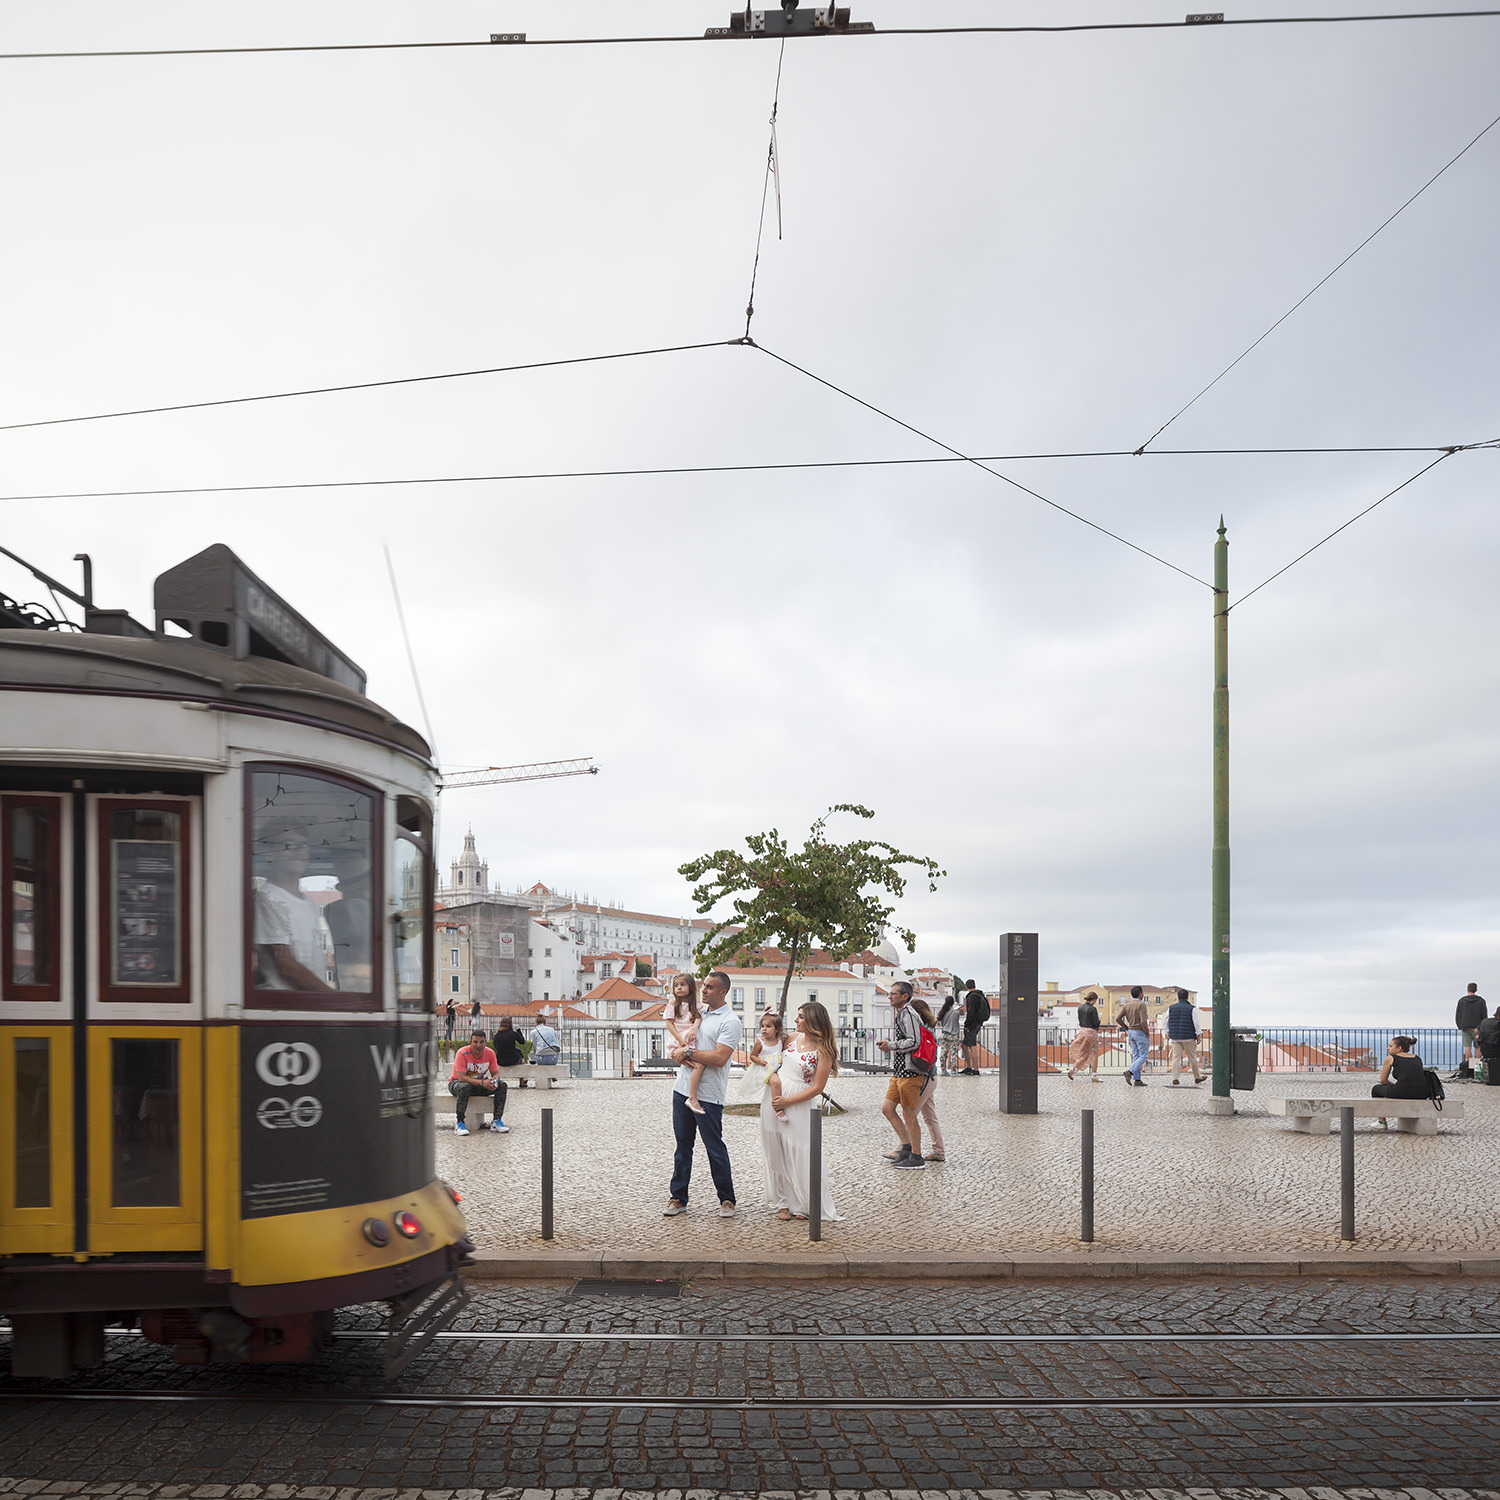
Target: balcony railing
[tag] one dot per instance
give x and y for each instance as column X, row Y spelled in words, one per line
column 605, row 1051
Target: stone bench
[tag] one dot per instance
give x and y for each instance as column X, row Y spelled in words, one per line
column 644, row 1066
column 1321, row 1116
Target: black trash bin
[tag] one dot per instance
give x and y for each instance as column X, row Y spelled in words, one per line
column 1244, row 1060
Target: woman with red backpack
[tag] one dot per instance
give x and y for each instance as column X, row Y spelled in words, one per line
column 927, row 1099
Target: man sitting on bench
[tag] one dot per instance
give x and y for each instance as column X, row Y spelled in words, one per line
column 1410, row 1081
column 474, row 1072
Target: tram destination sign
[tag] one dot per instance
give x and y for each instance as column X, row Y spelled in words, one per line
column 222, row 604
column 333, row 1115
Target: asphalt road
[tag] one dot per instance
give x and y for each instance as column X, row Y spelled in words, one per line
column 335, row 1423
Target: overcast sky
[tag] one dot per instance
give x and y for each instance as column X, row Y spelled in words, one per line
column 1020, row 244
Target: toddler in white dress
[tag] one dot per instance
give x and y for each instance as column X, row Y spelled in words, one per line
column 765, row 1062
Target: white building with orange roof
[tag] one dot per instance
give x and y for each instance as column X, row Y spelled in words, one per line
column 597, row 927
column 845, row 996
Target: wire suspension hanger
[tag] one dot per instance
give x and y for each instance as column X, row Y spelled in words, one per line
column 773, row 170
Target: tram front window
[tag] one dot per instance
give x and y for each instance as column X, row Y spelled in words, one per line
column 312, row 884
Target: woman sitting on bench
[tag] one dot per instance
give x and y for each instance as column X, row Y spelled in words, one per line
column 1410, row 1080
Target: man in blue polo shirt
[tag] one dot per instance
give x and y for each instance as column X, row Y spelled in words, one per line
column 719, row 1034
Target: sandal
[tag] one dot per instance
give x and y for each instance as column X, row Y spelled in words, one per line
column 784, row 1215
column 932, row 1157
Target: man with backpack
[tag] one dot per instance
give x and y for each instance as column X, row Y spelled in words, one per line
column 976, row 1013
column 1470, row 1015
column 911, row 1073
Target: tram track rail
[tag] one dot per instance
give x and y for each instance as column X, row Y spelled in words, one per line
column 758, row 1339
column 977, row 1404
column 772, row 1404
column 1464, row 1336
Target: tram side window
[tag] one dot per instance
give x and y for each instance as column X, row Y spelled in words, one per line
column 33, row 1123
column 414, row 883
column 313, row 896
column 30, row 834
column 145, row 1167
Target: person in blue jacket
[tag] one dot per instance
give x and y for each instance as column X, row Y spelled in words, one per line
column 1182, row 1033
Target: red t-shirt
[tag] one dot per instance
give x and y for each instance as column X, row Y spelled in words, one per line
column 461, row 1060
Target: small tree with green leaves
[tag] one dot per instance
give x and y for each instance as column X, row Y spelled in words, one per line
column 824, row 895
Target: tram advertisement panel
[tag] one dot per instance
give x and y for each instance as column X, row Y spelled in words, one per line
column 145, row 938
column 333, row 1115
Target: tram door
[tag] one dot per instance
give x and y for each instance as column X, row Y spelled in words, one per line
column 145, row 1033
column 102, row 1150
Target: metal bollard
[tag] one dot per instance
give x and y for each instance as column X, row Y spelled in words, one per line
column 1088, row 1177
column 1346, row 1155
column 815, row 1174
column 547, row 1173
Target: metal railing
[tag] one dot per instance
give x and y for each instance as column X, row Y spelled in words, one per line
column 604, row 1051
column 1283, row 1049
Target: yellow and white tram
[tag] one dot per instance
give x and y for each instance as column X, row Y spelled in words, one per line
column 216, row 986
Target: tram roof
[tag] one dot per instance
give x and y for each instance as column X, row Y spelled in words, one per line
column 125, row 666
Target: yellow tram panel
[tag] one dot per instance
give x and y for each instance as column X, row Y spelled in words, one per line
column 221, row 1145
column 145, row 1138
column 41, row 1165
column 284, row 1248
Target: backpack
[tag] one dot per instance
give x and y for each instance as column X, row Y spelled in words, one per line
column 981, row 1009
column 1435, row 1090
column 924, row 1055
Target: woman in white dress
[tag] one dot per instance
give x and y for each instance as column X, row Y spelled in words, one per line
column 810, row 1059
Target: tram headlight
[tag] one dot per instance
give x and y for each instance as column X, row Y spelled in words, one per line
column 376, row 1232
column 407, row 1224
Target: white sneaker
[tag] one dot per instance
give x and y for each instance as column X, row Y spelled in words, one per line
column 726, row 1210
column 500, row 1127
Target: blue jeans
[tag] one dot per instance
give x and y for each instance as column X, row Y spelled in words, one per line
column 687, row 1126
column 1140, row 1050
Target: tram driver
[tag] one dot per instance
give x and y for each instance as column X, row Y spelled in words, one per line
column 288, row 941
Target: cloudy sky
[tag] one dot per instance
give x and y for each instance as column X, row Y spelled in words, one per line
column 1020, row 244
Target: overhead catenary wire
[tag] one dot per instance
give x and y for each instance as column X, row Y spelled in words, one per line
column 361, row 385
column 1425, row 469
column 981, row 464
column 666, row 471
column 515, row 40
column 1320, row 284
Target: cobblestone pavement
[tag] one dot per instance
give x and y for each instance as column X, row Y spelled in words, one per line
column 65, row 1489
column 1170, row 1177
column 318, row 1426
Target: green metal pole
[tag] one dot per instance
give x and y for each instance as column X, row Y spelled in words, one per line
column 1221, row 1103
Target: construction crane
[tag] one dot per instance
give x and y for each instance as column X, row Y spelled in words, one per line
column 540, row 770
